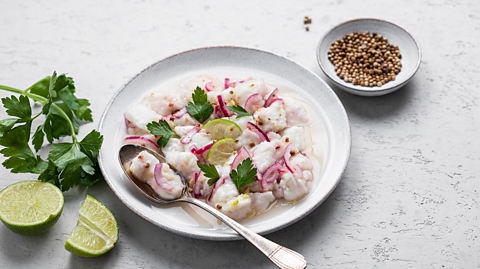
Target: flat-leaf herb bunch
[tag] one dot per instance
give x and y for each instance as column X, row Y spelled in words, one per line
column 67, row 164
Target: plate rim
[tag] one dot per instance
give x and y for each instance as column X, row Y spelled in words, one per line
column 227, row 237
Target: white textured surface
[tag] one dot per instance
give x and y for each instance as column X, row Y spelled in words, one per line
column 409, row 196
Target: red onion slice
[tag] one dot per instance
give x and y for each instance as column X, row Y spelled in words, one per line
column 223, row 107
column 187, row 138
column 273, row 101
column 217, row 113
column 234, row 84
column 180, row 113
column 270, row 98
column 129, row 124
column 253, row 103
column 298, row 170
column 159, row 179
column 201, row 159
column 196, row 187
column 142, row 141
column 227, row 83
column 271, row 175
column 241, row 155
column 200, row 151
column 167, row 118
column 217, row 185
column 209, row 86
column 286, row 157
column 261, row 134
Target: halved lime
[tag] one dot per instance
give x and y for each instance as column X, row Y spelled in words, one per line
column 221, row 128
column 221, row 151
column 30, row 207
column 96, row 231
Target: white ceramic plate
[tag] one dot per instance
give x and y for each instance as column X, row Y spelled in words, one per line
column 193, row 222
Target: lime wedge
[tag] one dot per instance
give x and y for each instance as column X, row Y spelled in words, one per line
column 221, row 151
column 30, row 207
column 221, row 128
column 96, row 231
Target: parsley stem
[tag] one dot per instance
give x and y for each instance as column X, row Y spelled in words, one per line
column 10, row 89
column 43, row 100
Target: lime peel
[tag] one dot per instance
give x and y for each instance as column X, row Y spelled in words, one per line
column 221, row 151
column 221, row 128
column 96, row 231
column 30, row 207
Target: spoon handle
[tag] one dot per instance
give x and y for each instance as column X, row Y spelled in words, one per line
column 281, row 256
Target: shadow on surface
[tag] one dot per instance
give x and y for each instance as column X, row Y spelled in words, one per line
column 378, row 107
column 162, row 248
column 24, row 250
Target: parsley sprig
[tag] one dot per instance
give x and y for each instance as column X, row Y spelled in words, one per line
column 67, row 164
column 244, row 174
column 210, row 172
column 200, row 109
column 163, row 129
column 239, row 110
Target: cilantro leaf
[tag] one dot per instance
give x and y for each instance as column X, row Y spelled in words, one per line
column 90, row 145
column 66, row 95
column 6, row 125
column 29, row 165
column 200, row 109
column 161, row 128
column 22, row 159
column 38, row 138
column 72, row 163
column 209, row 171
column 244, row 174
column 41, row 87
column 54, row 127
column 239, row 110
column 18, row 107
column 83, row 112
column 68, row 164
column 50, row 174
column 89, row 180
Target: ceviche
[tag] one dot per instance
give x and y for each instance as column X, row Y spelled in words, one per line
column 239, row 144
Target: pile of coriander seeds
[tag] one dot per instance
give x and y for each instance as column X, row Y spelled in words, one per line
column 365, row 59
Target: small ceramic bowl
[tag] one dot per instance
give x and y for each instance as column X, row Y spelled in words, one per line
column 411, row 55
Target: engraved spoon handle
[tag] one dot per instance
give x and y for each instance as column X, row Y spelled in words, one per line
column 281, row 256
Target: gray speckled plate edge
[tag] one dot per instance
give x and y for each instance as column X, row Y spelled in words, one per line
column 333, row 113
column 409, row 43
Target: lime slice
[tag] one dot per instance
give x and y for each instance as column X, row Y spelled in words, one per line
column 30, row 207
column 221, row 128
column 96, row 231
column 221, row 151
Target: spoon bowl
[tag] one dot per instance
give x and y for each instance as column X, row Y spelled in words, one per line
column 126, row 154
column 281, row 256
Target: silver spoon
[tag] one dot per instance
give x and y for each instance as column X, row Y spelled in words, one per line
column 281, row 256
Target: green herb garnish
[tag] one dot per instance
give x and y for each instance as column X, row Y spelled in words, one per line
column 244, row 174
column 163, row 129
column 67, row 164
column 200, row 109
column 239, row 110
column 210, row 172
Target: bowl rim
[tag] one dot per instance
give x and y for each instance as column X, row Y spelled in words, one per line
column 388, row 88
